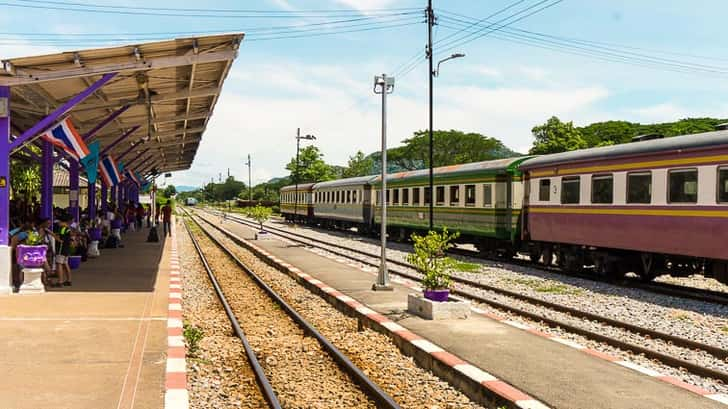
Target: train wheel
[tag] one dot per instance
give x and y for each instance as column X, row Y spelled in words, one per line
column 548, row 256
column 534, row 253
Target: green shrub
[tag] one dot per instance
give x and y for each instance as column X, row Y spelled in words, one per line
column 193, row 335
column 260, row 214
column 429, row 258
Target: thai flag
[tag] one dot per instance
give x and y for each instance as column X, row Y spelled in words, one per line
column 109, row 171
column 65, row 136
column 130, row 175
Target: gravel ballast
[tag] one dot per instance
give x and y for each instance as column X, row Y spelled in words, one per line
column 691, row 319
column 374, row 353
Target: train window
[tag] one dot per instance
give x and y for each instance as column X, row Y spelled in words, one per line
column 602, row 189
column 544, row 190
column 348, row 196
column 454, row 195
column 395, row 196
column 388, row 195
column 570, row 188
column 405, row 196
column 723, row 185
column 683, row 186
column 353, row 196
column 469, row 195
column 488, row 195
column 439, row 195
column 428, row 196
column 416, row 196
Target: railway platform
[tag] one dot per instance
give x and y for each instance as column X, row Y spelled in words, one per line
column 557, row 374
column 101, row 343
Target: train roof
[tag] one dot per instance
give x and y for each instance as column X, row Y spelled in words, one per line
column 355, row 181
column 675, row 143
column 466, row 169
column 302, row 187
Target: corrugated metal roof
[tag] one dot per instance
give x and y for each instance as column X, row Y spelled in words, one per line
column 61, row 178
column 302, row 187
column 675, row 143
column 183, row 76
column 465, row 168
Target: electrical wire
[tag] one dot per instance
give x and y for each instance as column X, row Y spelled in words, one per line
column 605, row 53
column 179, row 12
column 508, row 7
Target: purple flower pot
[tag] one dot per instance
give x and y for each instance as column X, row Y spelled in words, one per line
column 74, row 262
column 94, row 234
column 31, row 256
column 437, row 295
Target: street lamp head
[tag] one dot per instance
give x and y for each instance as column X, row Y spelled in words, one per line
column 457, row 55
column 306, row 137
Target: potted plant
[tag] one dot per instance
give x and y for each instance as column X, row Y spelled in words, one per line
column 32, row 254
column 94, row 237
column 74, row 260
column 430, row 260
column 260, row 214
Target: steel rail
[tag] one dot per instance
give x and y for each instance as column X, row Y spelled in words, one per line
column 268, row 394
column 667, row 359
column 382, row 399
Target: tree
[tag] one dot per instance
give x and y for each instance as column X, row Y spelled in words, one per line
column 555, row 136
column 359, row 165
column 229, row 189
column 170, row 191
column 311, row 167
column 450, row 148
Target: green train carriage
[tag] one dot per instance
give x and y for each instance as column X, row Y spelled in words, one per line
column 481, row 200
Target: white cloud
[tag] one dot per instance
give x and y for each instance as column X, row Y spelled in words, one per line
column 284, row 4
column 487, row 71
column 260, row 113
column 366, row 4
column 532, row 73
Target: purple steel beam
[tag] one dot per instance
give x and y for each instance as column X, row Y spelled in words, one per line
column 49, row 120
column 32, row 154
column 46, row 181
column 105, row 122
column 73, row 187
column 119, row 139
column 128, row 164
column 113, row 195
column 5, row 175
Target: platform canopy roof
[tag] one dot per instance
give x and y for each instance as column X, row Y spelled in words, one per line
column 164, row 92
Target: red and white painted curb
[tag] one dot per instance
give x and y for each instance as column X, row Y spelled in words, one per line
column 719, row 397
column 488, row 381
column 176, row 395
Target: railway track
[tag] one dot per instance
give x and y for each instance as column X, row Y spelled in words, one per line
column 466, row 289
column 361, row 382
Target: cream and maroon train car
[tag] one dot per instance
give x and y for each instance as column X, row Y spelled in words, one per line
column 651, row 207
column 297, row 208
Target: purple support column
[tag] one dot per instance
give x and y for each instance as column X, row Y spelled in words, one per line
column 73, row 190
column 91, row 201
column 46, row 181
column 119, row 139
column 104, row 199
column 5, row 252
column 113, row 195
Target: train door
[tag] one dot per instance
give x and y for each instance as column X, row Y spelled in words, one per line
column 503, row 197
column 367, row 212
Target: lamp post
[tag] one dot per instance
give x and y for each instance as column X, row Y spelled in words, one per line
column 434, row 73
column 298, row 148
column 250, row 182
column 383, row 85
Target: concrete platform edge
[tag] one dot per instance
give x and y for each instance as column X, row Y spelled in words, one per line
column 477, row 384
column 176, row 395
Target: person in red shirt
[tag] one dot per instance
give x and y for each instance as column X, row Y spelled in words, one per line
column 167, row 218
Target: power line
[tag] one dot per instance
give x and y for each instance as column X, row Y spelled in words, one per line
column 465, row 40
column 481, row 20
column 585, row 48
column 150, row 11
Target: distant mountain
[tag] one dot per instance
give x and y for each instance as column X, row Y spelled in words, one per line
column 183, row 188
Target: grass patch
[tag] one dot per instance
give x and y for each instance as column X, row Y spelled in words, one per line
column 193, row 335
column 725, row 329
column 466, row 267
column 546, row 288
column 682, row 316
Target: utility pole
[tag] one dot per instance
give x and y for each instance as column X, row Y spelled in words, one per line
column 430, row 74
column 250, row 182
column 298, row 148
column 383, row 85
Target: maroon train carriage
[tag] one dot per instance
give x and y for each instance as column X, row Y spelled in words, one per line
column 652, row 207
column 301, row 209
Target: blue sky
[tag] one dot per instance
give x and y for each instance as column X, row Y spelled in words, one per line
column 501, row 88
